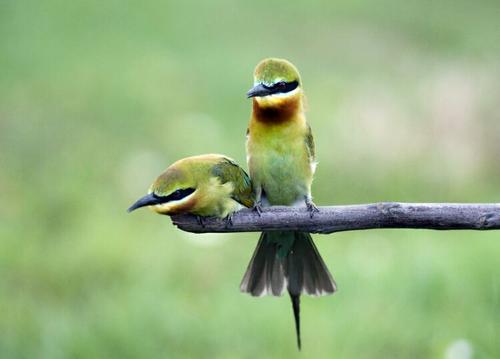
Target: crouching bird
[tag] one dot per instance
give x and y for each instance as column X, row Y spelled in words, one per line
column 206, row 186
column 281, row 161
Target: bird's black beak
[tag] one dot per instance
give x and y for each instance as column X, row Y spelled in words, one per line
column 147, row 200
column 259, row 90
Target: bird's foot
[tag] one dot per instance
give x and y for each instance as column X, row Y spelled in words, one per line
column 258, row 208
column 200, row 221
column 311, row 207
column 229, row 220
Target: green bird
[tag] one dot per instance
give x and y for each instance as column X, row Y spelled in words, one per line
column 206, row 186
column 281, row 161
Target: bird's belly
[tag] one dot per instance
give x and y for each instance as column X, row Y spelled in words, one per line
column 214, row 200
column 282, row 176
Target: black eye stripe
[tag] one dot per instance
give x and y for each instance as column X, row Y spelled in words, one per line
column 282, row 87
column 176, row 195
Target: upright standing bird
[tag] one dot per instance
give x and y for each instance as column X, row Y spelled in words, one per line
column 206, row 186
column 281, row 161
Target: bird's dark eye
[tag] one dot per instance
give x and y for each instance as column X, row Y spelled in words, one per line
column 176, row 195
column 181, row 193
column 280, row 85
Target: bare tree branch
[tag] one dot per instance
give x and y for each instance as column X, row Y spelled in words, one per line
column 331, row 219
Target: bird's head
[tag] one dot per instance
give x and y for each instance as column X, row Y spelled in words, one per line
column 171, row 193
column 275, row 82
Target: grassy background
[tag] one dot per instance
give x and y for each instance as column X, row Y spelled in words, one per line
column 97, row 98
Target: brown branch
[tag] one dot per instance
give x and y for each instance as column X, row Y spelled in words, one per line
column 442, row 216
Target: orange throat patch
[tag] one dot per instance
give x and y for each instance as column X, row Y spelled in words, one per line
column 278, row 112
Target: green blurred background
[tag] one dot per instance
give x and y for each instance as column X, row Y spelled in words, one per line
column 97, row 98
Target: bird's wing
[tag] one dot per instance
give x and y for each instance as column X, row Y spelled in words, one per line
column 229, row 171
column 310, row 144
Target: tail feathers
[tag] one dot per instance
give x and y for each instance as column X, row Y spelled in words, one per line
column 296, row 315
column 265, row 273
column 305, row 269
column 287, row 260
